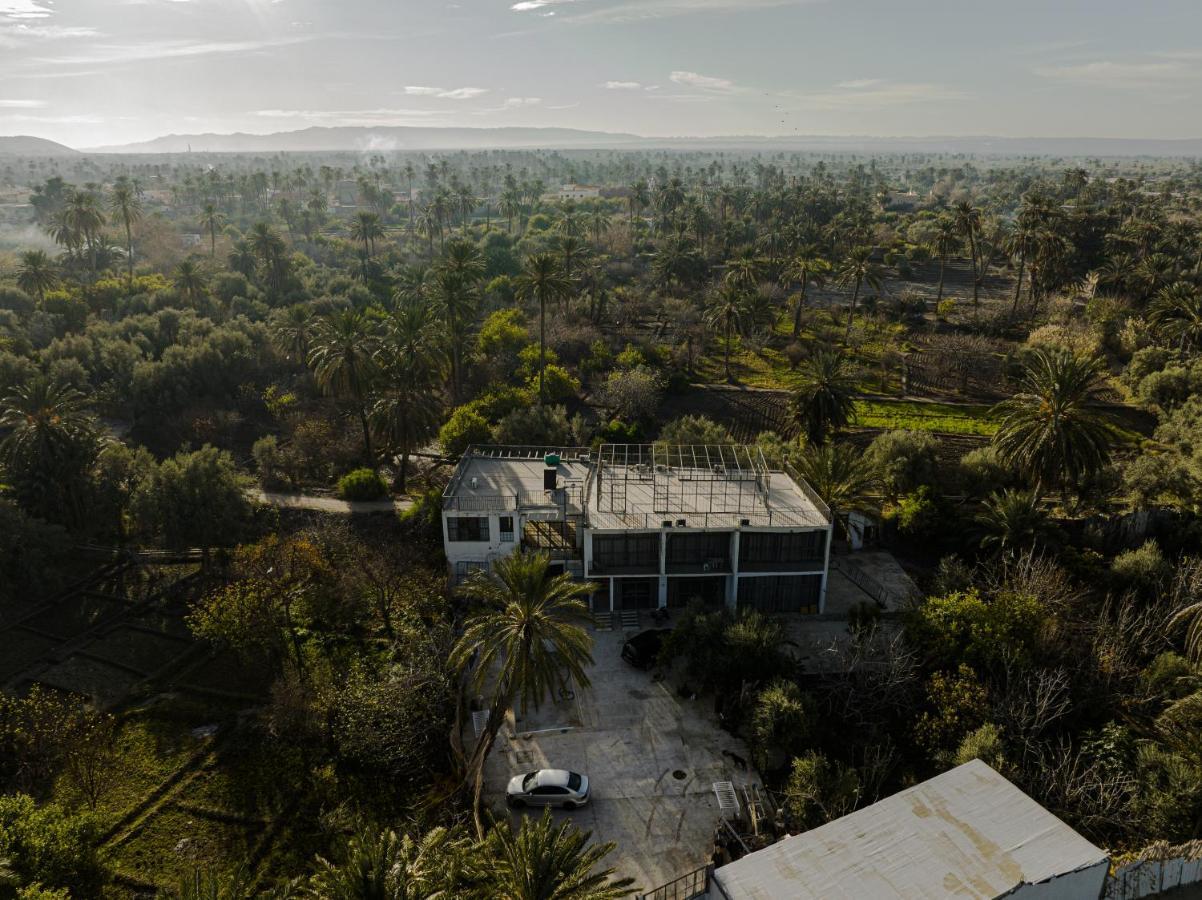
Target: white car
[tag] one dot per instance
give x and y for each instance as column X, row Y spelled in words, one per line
column 548, row 787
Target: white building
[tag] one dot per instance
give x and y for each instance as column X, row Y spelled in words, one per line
column 653, row 525
column 578, row 192
column 966, row 833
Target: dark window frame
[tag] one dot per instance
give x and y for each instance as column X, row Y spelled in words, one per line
column 457, row 532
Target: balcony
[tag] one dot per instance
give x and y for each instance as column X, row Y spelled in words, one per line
column 557, row 539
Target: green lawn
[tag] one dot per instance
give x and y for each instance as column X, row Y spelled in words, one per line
column 914, row 416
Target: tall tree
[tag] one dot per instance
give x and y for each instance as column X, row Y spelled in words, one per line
column 367, row 229
column 343, row 359
column 945, row 241
column 523, row 641
column 826, row 401
column 35, row 273
column 1176, row 315
column 857, row 270
column 125, row 205
column 190, row 281
column 543, row 282
column 806, row 266
column 841, row 479
column 726, row 309
column 1049, row 430
column 211, row 219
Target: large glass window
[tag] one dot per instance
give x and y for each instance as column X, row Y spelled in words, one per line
column 781, row 593
column 698, row 552
column 626, row 553
column 775, row 551
column 467, row 528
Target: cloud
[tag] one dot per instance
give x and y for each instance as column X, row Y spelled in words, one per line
column 21, row 104
column 530, row 5
column 174, row 49
column 25, row 9
column 642, row 10
column 622, row 86
column 514, row 102
column 351, row 117
column 15, row 34
column 1110, row 74
column 463, row 93
column 872, row 93
column 703, row 82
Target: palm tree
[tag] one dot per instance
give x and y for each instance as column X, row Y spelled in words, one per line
column 571, row 248
column 546, row 860
column 211, row 220
column 639, row 198
column 1012, row 520
column 543, row 282
column 51, row 443
column 236, row 884
column 726, row 309
column 510, row 205
column 944, row 243
column 805, row 266
column 125, row 205
column 367, row 228
column 1022, row 242
column 292, row 332
column 454, row 295
column 343, row 359
column 1176, row 315
column 825, row 401
column 35, row 274
column 838, row 475
column 190, row 281
column 382, row 865
column 1191, row 617
column 1048, row 430
column 405, row 413
column 526, row 639
column 857, row 270
column 968, row 220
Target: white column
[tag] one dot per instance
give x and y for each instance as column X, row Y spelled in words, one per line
column 826, row 568
column 732, row 583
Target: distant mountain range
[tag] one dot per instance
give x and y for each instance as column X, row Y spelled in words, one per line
column 25, row 145
column 383, row 139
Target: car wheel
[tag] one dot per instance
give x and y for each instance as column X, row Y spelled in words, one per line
column 516, row 802
column 569, row 804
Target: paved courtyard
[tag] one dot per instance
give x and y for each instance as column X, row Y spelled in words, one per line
column 652, row 758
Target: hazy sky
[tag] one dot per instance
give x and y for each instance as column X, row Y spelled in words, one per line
column 92, row 72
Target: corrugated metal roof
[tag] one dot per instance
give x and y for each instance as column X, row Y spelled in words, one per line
column 966, row 833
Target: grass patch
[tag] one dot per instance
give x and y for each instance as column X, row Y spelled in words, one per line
column 909, row 415
column 175, row 842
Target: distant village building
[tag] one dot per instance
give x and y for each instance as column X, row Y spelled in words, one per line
column 191, row 240
column 966, row 833
column 578, row 192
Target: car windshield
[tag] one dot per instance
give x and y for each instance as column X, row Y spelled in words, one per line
column 528, row 781
column 574, row 781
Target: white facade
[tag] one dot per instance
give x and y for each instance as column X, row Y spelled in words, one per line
column 649, row 530
column 578, row 192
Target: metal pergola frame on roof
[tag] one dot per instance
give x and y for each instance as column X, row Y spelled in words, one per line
column 683, row 478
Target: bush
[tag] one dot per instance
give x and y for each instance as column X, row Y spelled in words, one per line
column 965, row 626
column 558, row 384
column 904, row 461
column 633, row 395
column 819, row 790
column 780, row 725
column 1144, row 568
column 697, row 430
column 465, row 427
column 546, row 425
column 50, row 845
column 361, row 484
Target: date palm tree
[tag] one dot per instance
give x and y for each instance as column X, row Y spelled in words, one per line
column 382, row 865
column 211, row 219
column 343, row 359
column 1049, row 432
column 51, row 443
column 945, row 241
column 840, row 478
column 35, row 273
column 726, row 309
column 825, row 402
column 125, row 205
column 806, row 266
column 454, row 296
column 548, row 860
column 1176, row 315
column 1012, row 520
column 367, row 228
column 190, row 281
column 292, row 332
column 524, row 640
column 857, row 270
column 85, row 219
column 405, row 412
column 542, row 281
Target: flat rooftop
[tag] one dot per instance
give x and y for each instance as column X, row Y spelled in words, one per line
column 490, row 479
column 966, row 833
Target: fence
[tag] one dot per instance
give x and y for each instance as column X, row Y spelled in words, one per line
column 1162, row 868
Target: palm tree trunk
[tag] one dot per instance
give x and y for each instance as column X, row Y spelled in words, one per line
column 496, row 720
column 1018, row 288
column 801, row 302
column 366, row 431
column 942, row 267
column 542, row 346
column 129, row 255
column 729, row 378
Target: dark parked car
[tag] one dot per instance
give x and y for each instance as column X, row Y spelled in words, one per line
column 642, row 650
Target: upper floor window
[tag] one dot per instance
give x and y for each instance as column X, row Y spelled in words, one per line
column 505, row 524
column 467, row 528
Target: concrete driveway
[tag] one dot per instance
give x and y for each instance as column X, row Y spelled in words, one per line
column 651, row 756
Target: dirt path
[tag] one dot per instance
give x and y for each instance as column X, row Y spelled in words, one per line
column 328, row 504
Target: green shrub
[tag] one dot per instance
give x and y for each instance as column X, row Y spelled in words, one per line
column 50, row 845
column 780, row 725
column 1143, row 568
column 361, row 484
column 465, row 427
